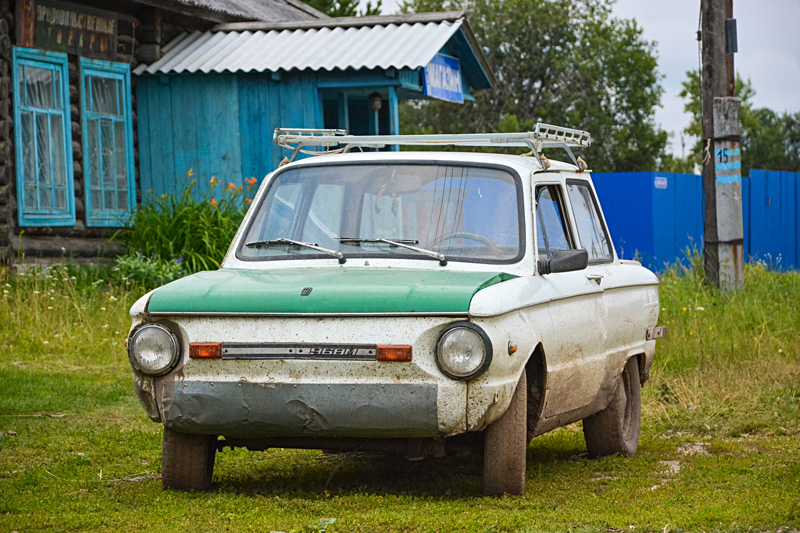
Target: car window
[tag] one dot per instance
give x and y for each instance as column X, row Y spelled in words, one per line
column 587, row 218
column 468, row 213
column 551, row 227
column 324, row 220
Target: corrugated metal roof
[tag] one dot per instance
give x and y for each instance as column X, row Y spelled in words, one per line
column 393, row 45
column 265, row 10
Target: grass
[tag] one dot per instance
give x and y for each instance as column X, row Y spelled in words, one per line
column 720, row 447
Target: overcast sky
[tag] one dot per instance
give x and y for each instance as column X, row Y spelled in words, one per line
column 769, row 50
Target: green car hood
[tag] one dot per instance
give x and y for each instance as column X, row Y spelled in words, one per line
column 333, row 291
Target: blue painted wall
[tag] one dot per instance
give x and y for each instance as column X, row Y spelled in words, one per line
column 218, row 125
column 657, row 225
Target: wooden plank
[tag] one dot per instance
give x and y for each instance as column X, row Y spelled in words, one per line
column 216, row 111
column 273, row 107
column 185, row 102
column 160, row 129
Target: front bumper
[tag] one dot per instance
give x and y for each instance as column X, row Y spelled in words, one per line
column 246, row 409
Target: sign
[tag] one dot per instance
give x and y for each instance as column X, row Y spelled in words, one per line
column 727, row 162
column 660, row 182
column 442, row 79
column 69, row 28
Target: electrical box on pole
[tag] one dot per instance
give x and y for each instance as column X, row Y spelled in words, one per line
column 723, row 247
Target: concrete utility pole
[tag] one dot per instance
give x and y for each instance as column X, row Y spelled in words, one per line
column 723, row 253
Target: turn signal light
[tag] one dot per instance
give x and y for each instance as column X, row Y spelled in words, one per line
column 205, row 350
column 398, row 354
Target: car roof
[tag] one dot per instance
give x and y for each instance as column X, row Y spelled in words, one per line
column 521, row 163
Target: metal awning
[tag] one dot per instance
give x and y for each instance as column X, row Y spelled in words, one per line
column 394, row 41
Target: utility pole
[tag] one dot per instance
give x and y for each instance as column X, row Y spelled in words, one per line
column 723, row 251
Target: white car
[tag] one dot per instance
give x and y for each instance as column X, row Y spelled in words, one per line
column 409, row 302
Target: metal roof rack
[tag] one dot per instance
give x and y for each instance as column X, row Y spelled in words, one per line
column 542, row 136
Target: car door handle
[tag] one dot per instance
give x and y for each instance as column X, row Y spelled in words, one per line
column 595, row 277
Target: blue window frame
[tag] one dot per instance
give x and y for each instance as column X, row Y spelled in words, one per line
column 106, row 117
column 43, row 137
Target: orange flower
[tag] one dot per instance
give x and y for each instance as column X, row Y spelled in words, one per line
column 231, row 186
column 214, row 180
column 252, row 181
column 213, row 201
column 248, row 201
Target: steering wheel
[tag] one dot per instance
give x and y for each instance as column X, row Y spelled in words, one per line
column 468, row 235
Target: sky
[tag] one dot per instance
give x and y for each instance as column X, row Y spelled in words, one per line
column 769, row 51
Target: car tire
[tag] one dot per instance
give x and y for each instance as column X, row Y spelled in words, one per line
column 505, row 446
column 187, row 461
column 615, row 429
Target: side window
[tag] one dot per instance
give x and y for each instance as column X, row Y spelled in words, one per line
column 551, row 227
column 108, row 142
column 591, row 231
column 43, row 139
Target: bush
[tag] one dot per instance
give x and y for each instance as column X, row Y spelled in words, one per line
column 148, row 271
column 178, row 225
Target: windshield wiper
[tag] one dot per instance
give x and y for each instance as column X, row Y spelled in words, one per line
column 401, row 243
column 283, row 240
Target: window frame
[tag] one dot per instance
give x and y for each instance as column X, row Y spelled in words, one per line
column 56, row 61
column 600, row 216
column 520, row 195
column 565, row 212
column 121, row 72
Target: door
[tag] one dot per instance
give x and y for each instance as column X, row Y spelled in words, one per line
column 575, row 344
column 624, row 300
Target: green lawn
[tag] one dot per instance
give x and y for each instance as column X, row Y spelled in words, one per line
column 720, row 446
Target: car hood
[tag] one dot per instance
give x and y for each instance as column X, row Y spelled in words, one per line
column 339, row 291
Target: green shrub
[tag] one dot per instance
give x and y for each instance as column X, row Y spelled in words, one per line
column 148, row 271
column 178, row 225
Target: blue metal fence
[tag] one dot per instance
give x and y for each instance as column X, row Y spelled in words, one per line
column 657, row 216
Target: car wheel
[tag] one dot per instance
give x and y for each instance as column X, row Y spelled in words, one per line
column 187, row 461
column 615, row 429
column 505, row 444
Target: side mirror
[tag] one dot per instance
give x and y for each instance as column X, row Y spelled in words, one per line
column 564, row 261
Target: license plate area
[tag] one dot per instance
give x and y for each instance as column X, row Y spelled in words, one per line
column 325, row 352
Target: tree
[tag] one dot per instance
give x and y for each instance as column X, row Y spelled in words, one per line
column 564, row 63
column 345, row 8
column 769, row 140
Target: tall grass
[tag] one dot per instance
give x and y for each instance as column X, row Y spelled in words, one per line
column 730, row 362
column 178, row 225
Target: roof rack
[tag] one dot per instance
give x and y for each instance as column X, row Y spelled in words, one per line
column 542, row 136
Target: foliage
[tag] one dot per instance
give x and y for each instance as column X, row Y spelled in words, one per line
column 564, row 63
column 719, row 448
column 346, row 8
column 770, row 140
column 179, row 225
column 148, row 271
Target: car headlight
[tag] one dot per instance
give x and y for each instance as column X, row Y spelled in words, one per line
column 153, row 349
column 464, row 351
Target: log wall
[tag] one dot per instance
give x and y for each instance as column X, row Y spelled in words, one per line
column 142, row 31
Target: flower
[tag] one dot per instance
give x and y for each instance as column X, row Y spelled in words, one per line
column 701, row 309
column 45, row 342
column 248, row 201
column 684, row 309
column 103, row 308
column 231, row 186
column 213, row 181
column 163, row 196
column 190, row 173
column 49, row 307
column 35, row 292
column 252, row 181
column 690, row 333
column 105, row 326
column 213, row 201
column 710, row 328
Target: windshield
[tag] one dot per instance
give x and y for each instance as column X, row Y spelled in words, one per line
column 466, row 213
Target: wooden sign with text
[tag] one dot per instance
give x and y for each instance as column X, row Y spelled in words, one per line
column 69, row 28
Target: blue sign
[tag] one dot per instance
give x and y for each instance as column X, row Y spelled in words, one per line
column 442, row 79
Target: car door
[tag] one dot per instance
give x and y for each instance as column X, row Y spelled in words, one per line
column 624, row 300
column 574, row 342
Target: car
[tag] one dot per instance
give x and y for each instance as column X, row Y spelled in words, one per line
column 411, row 302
